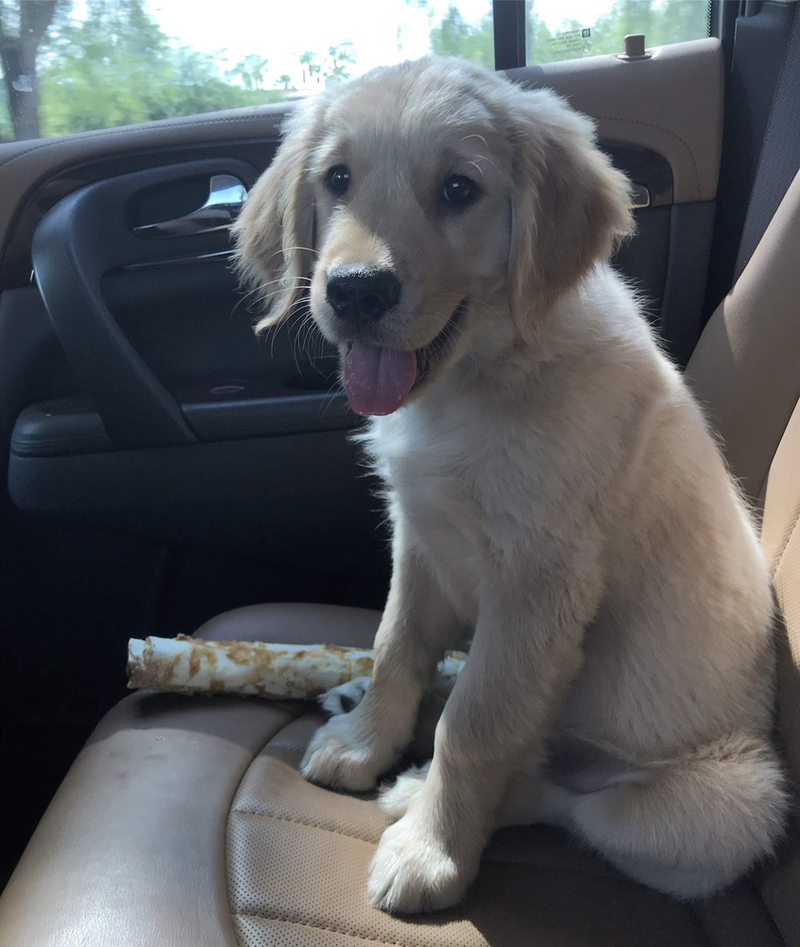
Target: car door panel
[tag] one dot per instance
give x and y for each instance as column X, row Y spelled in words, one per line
column 670, row 104
column 172, row 367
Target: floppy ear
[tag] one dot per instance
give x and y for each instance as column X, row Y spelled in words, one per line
column 275, row 231
column 569, row 206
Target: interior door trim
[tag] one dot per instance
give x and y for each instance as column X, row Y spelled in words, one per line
column 78, row 242
column 671, row 103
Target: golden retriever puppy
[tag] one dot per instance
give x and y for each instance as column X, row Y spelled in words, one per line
column 552, row 486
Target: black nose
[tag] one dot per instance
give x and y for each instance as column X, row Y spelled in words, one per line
column 362, row 295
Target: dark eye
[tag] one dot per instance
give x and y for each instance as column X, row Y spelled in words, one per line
column 338, row 179
column 459, row 191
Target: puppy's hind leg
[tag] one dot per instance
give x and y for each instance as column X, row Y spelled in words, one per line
column 345, row 697
column 395, row 799
column 695, row 825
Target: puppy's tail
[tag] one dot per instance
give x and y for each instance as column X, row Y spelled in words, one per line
column 697, row 822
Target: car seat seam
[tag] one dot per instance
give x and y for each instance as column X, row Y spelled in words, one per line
column 320, row 927
column 310, row 825
column 784, row 547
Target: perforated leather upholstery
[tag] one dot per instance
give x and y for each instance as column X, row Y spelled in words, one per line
column 297, row 859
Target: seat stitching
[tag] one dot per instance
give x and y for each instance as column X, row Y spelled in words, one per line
column 763, row 483
column 225, row 868
column 310, row 825
column 298, row 711
column 605, row 872
column 785, row 547
column 785, row 544
column 320, row 927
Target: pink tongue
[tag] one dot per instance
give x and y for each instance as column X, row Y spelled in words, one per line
column 378, row 380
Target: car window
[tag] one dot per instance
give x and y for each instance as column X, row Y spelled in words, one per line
column 78, row 65
column 88, row 64
column 572, row 29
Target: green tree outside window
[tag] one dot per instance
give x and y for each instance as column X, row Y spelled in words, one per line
column 117, row 66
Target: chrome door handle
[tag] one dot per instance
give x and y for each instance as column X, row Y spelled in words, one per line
column 640, row 196
column 225, row 199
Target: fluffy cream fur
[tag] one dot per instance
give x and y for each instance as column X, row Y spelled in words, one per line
column 553, row 489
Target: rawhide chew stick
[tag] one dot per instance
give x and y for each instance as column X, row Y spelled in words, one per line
column 251, row 668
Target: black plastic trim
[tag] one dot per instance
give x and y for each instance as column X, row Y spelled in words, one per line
column 15, row 260
column 754, row 63
column 509, row 24
column 226, row 420
column 691, row 228
column 644, row 167
column 80, row 240
column 71, row 426
column 268, row 497
column 59, row 428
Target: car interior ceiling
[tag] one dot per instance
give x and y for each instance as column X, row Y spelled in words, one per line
column 75, row 587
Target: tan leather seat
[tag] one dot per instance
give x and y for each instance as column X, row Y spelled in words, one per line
column 185, row 821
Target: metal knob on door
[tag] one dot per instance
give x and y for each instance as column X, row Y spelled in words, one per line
column 225, row 199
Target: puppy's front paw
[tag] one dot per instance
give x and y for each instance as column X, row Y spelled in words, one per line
column 345, row 697
column 412, row 871
column 339, row 757
column 396, row 799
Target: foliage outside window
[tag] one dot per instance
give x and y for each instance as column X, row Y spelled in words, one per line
column 79, row 65
column 662, row 23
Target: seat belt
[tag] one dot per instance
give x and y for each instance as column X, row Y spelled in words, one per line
column 779, row 161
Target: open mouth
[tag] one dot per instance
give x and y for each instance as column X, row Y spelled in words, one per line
column 428, row 355
column 378, row 380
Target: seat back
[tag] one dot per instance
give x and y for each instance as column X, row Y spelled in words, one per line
column 746, row 372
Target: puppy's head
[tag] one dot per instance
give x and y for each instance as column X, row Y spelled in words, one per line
column 417, row 206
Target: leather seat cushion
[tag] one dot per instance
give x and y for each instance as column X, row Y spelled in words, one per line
column 184, row 821
column 297, row 859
